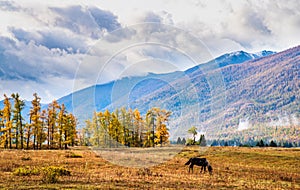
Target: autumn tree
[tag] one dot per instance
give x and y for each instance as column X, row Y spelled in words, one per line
column 1, row 125
column 162, row 133
column 6, row 131
column 69, row 130
column 138, row 128
column 93, row 131
column 52, row 112
column 18, row 120
column 28, row 132
column 107, row 128
column 35, row 113
column 42, row 135
column 60, row 124
column 118, row 129
column 123, row 122
column 150, row 120
column 193, row 131
column 86, row 133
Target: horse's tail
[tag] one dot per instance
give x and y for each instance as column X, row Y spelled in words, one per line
column 188, row 162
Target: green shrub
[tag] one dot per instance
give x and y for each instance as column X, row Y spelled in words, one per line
column 26, row 171
column 52, row 173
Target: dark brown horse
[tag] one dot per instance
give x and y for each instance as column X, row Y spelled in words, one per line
column 199, row 162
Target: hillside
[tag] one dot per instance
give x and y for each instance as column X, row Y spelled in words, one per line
column 236, row 93
column 256, row 93
column 163, row 90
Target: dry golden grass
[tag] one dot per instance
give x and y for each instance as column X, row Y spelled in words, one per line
column 234, row 167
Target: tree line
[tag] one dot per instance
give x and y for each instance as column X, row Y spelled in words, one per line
column 51, row 128
column 127, row 127
column 258, row 143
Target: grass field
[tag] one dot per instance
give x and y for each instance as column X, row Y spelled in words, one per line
column 233, row 168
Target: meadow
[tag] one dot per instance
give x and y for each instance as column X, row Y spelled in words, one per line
column 233, row 168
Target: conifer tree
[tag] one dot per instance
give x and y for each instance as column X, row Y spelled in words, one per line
column 183, row 141
column 87, row 133
column 41, row 134
column 35, row 118
column 28, row 132
column 1, row 125
column 73, row 131
column 103, row 122
column 150, row 120
column 18, row 120
column 52, row 113
column 273, row 144
column 138, row 127
column 117, row 129
column 95, row 129
column 124, row 124
column 162, row 133
column 60, row 124
column 7, row 130
column 69, row 130
column 178, row 140
column 202, row 140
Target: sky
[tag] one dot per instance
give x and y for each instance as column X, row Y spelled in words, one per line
column 57, row 47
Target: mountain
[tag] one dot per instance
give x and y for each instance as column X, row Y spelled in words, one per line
column 256, row 95
column 234, row 95
column 233, row 58
column 235, row 92
column 146, row 91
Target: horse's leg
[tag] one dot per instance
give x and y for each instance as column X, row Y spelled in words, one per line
column 204, row 165
column 192, row 167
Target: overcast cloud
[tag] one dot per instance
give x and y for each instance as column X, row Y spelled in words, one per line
column 53, row 48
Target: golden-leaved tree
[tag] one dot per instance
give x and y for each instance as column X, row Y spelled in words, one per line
column 18, row 120
column 52, row 112
column 6, row 131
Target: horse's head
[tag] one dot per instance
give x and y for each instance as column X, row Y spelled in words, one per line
column 210, row 169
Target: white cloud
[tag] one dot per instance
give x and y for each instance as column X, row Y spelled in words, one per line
column 166, row 47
